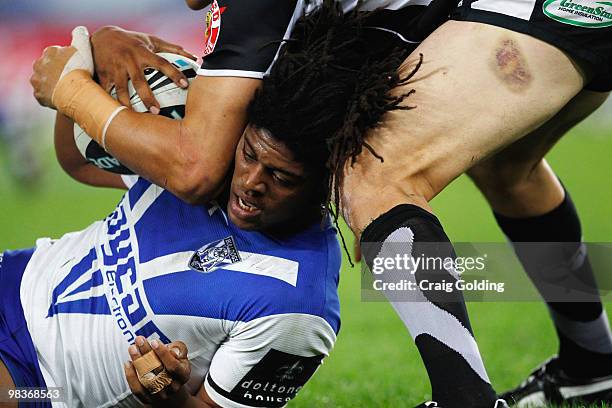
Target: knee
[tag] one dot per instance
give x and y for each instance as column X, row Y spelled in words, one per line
column 501, row 179
column 363, row 202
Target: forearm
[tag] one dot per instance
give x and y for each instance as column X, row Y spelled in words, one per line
column 73, row 163
column 188, row 157
column 162, row 150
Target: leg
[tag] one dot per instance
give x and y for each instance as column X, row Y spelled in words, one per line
column 517, row 182
column 531, row 205
column 456, row 123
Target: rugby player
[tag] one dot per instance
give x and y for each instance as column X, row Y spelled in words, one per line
column 247, row 282
column 524, row 81
column 539, row 72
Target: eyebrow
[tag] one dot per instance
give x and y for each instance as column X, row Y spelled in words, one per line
column 288, row 173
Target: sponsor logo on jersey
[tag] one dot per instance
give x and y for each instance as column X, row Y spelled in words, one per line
column 583, row 13
column 105, row 282
column 289, row 372
column 213, row 27
column 214, row 255
column 275, row 380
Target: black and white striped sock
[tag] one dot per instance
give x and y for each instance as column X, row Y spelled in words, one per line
column 553, row 247
column 437, row 319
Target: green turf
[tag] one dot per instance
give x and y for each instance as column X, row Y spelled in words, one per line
column 374, row 363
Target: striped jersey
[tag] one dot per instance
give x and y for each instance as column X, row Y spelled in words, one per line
column 257, row 314
column 242, row 38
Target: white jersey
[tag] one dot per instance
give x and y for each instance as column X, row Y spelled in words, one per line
column 257, row 314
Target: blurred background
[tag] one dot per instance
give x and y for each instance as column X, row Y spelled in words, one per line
column 27, row 27
column 375, row 363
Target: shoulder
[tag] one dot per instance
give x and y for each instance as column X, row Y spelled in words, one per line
column 242, row 37
column 296, row 275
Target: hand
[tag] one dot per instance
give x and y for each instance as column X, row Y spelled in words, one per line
column 122, row 55
column 56, row 62
column 174, row 359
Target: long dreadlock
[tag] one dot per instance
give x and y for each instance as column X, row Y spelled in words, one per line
column 327, row 88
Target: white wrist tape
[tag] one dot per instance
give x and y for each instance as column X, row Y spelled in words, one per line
column 108, row 122
column 80, row 98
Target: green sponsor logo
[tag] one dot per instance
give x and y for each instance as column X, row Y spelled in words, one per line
column 583, row 13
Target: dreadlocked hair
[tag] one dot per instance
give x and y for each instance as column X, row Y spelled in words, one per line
column 327, row 88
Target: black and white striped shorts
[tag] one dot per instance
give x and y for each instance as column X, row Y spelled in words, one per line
column 581, row 28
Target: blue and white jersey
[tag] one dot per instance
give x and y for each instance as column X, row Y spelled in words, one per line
column 257, row 314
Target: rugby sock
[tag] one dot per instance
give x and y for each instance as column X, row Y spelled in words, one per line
column 436, row 319
column 585, row 340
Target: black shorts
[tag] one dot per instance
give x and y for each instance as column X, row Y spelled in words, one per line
column 581, row 28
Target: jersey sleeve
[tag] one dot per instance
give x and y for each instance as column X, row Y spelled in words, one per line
column 129, row 180
column 265, row 362
column 242, row 37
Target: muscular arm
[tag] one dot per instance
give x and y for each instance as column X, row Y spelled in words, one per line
column 73, row 162
column 188, row 157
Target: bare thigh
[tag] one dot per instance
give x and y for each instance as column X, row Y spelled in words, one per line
column 480, row 88
column 6, row 382
column 518, row 182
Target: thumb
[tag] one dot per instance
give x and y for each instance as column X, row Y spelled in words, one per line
column 80, row 39
column 82, row 58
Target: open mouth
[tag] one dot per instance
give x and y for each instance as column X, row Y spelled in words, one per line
column 244, row 209
column 246, row 206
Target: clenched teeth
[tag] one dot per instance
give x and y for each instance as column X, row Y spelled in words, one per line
column 245, row 206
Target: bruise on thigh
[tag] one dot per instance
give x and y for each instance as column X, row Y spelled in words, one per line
column 510, row 66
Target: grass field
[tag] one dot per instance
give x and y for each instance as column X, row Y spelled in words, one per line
column 375, row 363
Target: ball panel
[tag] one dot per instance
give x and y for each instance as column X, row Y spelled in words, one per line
column 170, row 97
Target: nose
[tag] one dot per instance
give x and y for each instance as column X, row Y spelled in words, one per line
column 254, row 182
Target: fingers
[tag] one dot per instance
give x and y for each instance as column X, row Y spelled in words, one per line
column 143, row 345
column 143, row 90
column 80, row 40
column 174, row 360
column 46, row 72
column 105, row 81
column 137, row 388
column 179, row 349
column 50, row 52
column 178, row 368
column 121, row 86
column 134, row 352
column 169, row 70
column 83, row 58
column 136, row 75
column 165, row 46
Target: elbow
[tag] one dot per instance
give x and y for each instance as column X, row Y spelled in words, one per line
column 197, row 188
column 199, row 174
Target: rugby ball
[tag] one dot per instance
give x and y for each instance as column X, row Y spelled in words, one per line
column 171, row 98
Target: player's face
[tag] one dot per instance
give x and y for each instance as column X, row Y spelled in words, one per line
column 270, row 191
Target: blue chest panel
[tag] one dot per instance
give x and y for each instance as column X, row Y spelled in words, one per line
column 170, row 226
column 172, row 258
